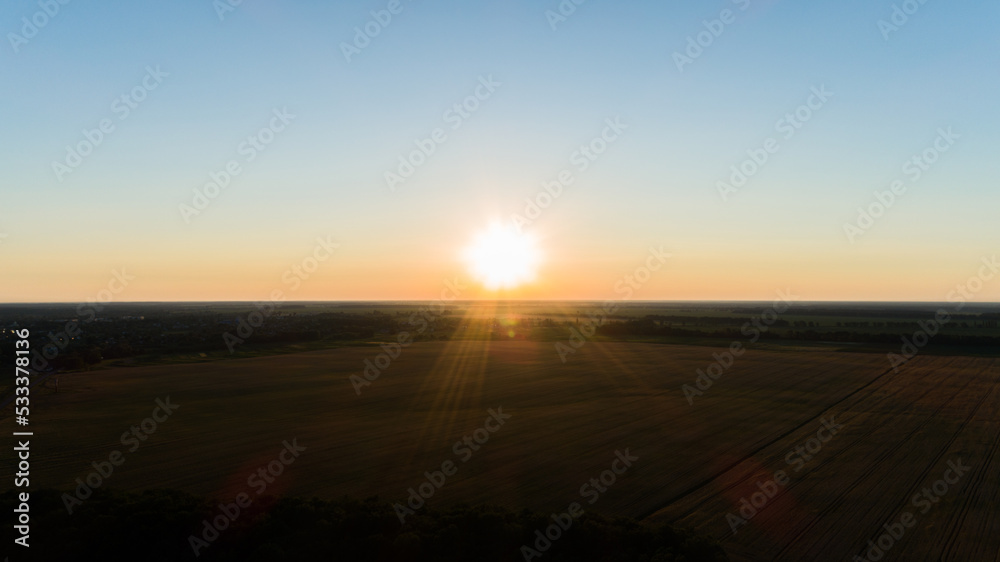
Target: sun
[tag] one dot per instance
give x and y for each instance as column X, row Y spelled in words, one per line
column 502, row 258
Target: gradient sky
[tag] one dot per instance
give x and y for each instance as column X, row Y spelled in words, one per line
column 323, row 176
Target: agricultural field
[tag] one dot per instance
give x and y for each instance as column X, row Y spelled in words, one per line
column 917, row 447
column 562, row 425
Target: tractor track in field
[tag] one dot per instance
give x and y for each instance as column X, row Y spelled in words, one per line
column 739, row 482
column 708, row 480
column 974, row 484
column 888, row 453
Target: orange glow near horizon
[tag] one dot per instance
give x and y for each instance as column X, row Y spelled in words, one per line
column 574, row 268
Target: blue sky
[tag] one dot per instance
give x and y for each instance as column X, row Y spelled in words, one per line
column 655, row 185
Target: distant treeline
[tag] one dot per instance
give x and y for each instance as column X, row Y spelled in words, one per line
column 898, row 312
column 70, row 343
column 702, row 320
column 160, row 525
column 63, row 340
column 667, row 326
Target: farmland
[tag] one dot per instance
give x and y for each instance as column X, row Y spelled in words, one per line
column 695, row 461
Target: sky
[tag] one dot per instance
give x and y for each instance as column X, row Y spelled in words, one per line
column 312, row 106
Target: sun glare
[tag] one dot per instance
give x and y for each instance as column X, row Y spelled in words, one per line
column 503, row 258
